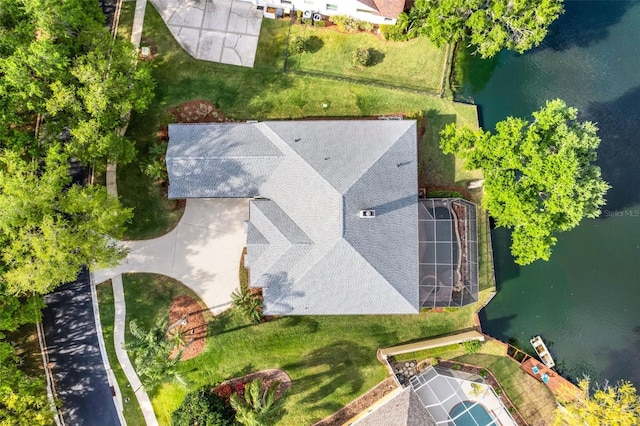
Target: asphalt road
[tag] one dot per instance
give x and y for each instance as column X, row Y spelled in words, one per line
column 78, row 372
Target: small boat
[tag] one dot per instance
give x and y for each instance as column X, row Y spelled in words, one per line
column 542, row 351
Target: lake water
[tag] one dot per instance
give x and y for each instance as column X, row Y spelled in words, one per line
column 585, row 301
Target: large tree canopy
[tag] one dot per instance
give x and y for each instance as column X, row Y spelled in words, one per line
column 21, row 398
column 50, row 228
column 488, row 25
column 540, row 176
column 59, row 62
column 607, row 405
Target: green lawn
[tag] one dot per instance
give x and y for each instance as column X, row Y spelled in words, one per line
column 445, row 169
column 331, row 359
column 132, row 413
column 416, row 64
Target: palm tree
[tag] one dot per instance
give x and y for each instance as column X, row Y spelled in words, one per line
column 248, row 303
column 151, row 351
column 258, row 406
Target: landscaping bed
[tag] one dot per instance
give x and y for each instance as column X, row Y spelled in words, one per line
column 356, row 407
column 268, row 377
column 186, row 314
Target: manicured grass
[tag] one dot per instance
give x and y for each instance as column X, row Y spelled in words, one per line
column 132, row 413
column 264, row 92
column 438, row 168
column 416, row 63
column 148, row 297
column 154, row 214
column 125, row 24
column 431, row 353
column 331, row 359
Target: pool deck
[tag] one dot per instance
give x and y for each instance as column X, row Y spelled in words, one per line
column 561, row 387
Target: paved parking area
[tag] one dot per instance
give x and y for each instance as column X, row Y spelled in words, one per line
column 223, row 31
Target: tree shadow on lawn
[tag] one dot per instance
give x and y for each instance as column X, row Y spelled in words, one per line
column 375, row 56
column 308, row 324
column 339, row 365
column 313, row 44
column 224, row 323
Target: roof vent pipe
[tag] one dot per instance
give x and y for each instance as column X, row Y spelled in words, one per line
column 367, row 213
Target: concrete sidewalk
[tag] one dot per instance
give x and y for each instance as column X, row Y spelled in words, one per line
column 118, row 340
column 203, row 251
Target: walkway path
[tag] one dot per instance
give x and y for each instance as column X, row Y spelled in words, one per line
column 123, row 358
column 138, row 20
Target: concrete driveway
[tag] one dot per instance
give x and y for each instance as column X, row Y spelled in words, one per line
column 223, row 31
column 203, row 251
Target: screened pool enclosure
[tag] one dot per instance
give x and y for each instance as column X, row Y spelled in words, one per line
column 448, row 240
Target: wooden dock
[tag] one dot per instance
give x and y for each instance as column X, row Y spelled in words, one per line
column 558, row 385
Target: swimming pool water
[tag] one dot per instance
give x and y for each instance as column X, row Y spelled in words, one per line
column 470, row 415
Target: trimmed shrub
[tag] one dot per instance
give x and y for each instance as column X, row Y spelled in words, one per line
column 321, row 23
column 472, row 346
column 365, row 26
column 203, row 407
column 393, row 33
column 347, row 23
column 361, row 57
column 307, row 21
column 297, row 45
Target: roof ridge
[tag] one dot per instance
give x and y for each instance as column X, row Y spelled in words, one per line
column 378, row 272
column 382, row 154
column 223, row 157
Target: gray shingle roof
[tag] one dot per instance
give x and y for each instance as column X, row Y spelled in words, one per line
column 306, row 244
column 406, row 409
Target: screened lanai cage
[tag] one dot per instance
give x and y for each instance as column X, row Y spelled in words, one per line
column 448, row 238
column 455, row 398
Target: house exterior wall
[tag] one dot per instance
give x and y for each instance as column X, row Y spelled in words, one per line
column 352, row 8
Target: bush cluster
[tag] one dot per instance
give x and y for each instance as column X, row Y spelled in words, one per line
column 349, row 24
column 361, row 57
column 394, row 32
column 297, row 45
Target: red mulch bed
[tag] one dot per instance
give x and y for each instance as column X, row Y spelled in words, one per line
column 268, row 377
column 359, row 405
column 195, row 331
column 197, row 111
